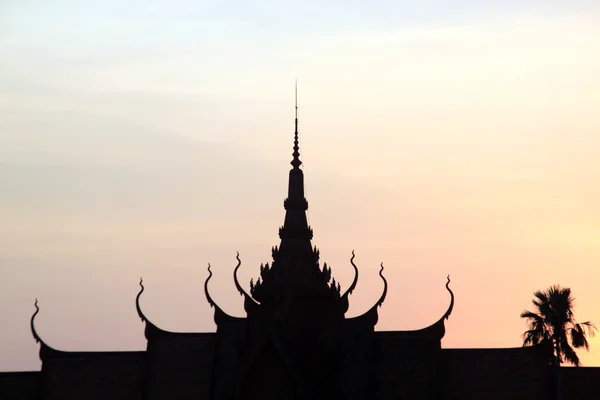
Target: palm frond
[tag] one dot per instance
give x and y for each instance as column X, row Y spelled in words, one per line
column 532, row 337
column 578, row 336
column 589, row 327
column 531, row 315
column 537, row 329
column 569, row 354
column 554, row 323
column 541, row 295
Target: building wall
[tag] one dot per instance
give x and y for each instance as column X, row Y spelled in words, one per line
column 405, row 368
column 93, row 376
column 355, row 372
column 179, row 366
column 581, row 383
column 230, row 347
column 19, row 385
column 513, row 373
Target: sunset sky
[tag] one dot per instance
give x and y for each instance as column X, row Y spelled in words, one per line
column 440, row 137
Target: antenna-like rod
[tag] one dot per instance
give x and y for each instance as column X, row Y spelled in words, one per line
column 296, row 95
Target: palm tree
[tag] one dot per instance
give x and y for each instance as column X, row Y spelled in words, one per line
column 554, row 325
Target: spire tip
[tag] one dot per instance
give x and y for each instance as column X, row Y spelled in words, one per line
column 296, row 160
column 296, row 96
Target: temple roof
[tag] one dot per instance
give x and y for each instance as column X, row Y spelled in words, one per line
column 294, row 280
column 47, row 351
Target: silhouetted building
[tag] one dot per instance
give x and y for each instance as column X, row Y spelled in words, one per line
column 295, row 343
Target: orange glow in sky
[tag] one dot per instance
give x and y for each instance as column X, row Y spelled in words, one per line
column 467, row 147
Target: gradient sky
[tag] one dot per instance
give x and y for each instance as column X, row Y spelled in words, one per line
column 455, row 137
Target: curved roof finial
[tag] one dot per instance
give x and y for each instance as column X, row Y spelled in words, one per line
column 385, row 287
column 370, row 317
column 137, row 302
column 33, row 331
column 208, row 298
column 355, row 281
column 220, row 315
column 45, row 350
column 235, row 279
column 451, row 306
column 248, row 300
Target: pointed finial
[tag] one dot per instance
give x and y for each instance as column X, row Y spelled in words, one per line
column 296, row 160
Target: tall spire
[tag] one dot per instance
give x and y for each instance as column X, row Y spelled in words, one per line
column 296, row 161
column 295, row 270
column 295, row 231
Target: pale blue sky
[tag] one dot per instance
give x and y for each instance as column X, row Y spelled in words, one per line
column 448, row 136
column 52, row 45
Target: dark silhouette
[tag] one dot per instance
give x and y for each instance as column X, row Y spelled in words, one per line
column 295, row 342
column 553, row 325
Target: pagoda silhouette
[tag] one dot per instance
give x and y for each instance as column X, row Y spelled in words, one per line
column 294, row 343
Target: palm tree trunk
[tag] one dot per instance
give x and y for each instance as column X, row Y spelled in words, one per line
column 559, row 394
column 557, row 371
